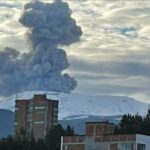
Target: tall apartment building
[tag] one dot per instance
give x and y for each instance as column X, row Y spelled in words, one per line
column 36, row 115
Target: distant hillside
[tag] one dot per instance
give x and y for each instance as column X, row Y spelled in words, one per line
column 7, row 118
column 6, row 122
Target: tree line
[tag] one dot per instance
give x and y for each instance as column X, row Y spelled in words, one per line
column 23, row 142
column 134, row 124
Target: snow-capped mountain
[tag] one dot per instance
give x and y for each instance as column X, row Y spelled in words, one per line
column 75, row 106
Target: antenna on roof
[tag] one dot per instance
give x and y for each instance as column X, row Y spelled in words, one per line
column 16, row 96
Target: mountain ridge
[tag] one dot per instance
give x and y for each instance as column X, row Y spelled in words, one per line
column 75, row 106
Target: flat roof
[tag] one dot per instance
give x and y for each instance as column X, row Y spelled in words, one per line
column 100, row 122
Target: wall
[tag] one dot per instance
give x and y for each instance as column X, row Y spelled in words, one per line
column 143, row 139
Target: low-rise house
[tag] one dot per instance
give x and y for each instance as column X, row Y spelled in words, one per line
column 100, row 136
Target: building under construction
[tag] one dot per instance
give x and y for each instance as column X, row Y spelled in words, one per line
column 100, row 136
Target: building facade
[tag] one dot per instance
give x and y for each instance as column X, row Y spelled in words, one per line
column 36, row 115
column 100, row 136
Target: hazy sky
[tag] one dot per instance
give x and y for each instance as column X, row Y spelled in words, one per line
column 112, row 57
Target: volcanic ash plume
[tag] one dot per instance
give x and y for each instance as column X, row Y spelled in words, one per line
column 50, row 25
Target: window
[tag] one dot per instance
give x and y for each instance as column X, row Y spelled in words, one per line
column 125, row 146
column 113, row 146
column 141, row 146
column 16, row 108
column 15, row 123
column 40, row 107
column 30, row 108
column 40, row 112
column 38, row 122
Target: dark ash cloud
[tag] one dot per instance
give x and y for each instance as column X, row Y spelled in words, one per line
column 49, row 25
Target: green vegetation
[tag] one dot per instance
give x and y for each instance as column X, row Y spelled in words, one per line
column 134, row 124
column 23, row 142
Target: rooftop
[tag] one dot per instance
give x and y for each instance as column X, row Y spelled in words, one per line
column 101, row 122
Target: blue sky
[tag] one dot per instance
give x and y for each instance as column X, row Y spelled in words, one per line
column 112, row 57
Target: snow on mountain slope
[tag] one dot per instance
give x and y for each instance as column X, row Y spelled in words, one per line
column 72, row 106
column 79, row 105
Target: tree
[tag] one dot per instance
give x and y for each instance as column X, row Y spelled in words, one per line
column 69, row 131
column 53, row 137
column 134, row 124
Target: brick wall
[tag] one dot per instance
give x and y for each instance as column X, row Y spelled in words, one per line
column 99, row 129
column 73, row 139
column 111, row 138
column 76, row 147
column 20, row 115
column 37, row 115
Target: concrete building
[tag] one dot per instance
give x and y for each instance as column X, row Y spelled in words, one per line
column 100, row 136
column 36, row 115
